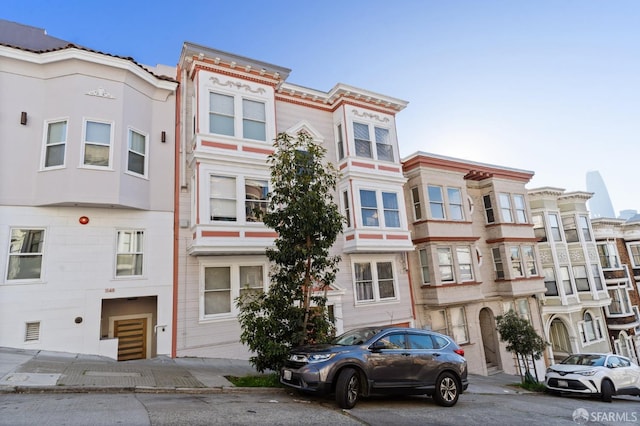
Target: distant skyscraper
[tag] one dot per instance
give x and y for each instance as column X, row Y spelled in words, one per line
column 600, row 204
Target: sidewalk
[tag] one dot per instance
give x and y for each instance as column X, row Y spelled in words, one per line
column 45, row 371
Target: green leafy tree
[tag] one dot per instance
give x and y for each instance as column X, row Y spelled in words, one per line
column 302, row 212
column 522, row 340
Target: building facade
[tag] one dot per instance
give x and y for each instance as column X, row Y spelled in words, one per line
column 86, row 207
column 575, row 299
column 231, row 108
column 475, row 256
column 618, row 244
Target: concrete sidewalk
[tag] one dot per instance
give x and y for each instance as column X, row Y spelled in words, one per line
column 45, row 371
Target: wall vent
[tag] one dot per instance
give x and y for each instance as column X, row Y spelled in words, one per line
column 32, row 332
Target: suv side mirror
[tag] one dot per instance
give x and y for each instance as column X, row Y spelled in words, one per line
column 377, row 346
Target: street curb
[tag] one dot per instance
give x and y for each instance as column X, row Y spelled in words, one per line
column 131, row 389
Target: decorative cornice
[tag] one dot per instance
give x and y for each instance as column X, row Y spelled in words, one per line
column 236, row 85
column 101, row 93
column 369, row 115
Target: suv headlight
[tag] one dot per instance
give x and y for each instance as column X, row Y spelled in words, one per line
column 319, row 357
column 587, row 373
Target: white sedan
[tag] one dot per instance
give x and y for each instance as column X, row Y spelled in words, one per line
column 597, row 374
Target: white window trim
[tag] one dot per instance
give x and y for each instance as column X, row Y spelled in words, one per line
column 380, row 208
column 597, row 325
column 629, row 245
column 145, row 175
column 45, row 132
column 41, row 279
column 112, row 148
column 234, row 263
column 373, row 261
column 115, row 259
column 205, row 193
column 620, row 288
column 239, row 90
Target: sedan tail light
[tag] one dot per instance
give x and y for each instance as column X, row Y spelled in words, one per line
column 459, row 351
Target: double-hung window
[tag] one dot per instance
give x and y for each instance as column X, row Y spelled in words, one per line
column 516, row 262
column 254, row 121
column 538, row 227
column 590, row 329
column 225, row 110
column 391, row 209
column 221, row 114
column 523, row 261
column 363, row 142
column 570, row 229
column 223, row 199
column 488, row 208
column 550, row 282
column 371, row 213
column 583, row 222
column 451, row 322
column 608, row 255
column 465, row 265
column 634, row 252
column 505, row 207
column 129, row 253
column 620, row 304
column 580, row 275
column 374, row 281
column 520, row 208
column 417, row 207
column 554, row 226
column 347, row 207
column 498, row 265
column 424, row 266
column 340, row 142
column 55, row 144
column 224, row 283
column 384, row 149
column 256, row 198
column 595, row 269
column 441, row 208
column 137, row 153
column 566, row 280
column 445, row 264
column 26, row 249
column 97, row 144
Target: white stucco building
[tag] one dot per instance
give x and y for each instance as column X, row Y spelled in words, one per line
column 86, row 200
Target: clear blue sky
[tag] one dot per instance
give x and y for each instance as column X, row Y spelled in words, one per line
column 547, row 86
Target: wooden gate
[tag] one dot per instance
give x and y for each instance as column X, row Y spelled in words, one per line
column 132, row 338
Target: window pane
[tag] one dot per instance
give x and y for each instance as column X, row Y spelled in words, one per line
column 24, row 267
column 445, row 263
column 253, row 124
column 417, row 210
column 57, row 132
column 383, row 146
column 550, row 282
column 96, row 155
column 137, row 142
column 253, row 110
column 217, row 287
column 364, row 281
column 136, row 163
column 385, row 280
column 369, row 208
column 425, row 266
column 221, row 104
column 362, row 140
column 505, row 207
column 455, row 203
column 221, row 125
column 488, row 208
column 54, row 155
column 99, row 133
column 129, row 264
column 250, row 279
column 256, row 198
column 464, row 263
column 436, row 202
column 391, row 212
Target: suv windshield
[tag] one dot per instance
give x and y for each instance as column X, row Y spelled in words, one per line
column 593, row 360
column 355, row 337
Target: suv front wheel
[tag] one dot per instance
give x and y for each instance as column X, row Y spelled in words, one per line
column 348, row 388
column 447, row 390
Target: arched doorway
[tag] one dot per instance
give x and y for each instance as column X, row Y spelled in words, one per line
column 489, row 340
column 560, row 342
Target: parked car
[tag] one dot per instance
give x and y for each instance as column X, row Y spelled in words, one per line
column 602, row 375
column 379, row 360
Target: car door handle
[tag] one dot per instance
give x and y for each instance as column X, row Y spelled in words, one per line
column 406, row 354
column 436, row 354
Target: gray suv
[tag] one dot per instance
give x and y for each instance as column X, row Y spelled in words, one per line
column 379, row 360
